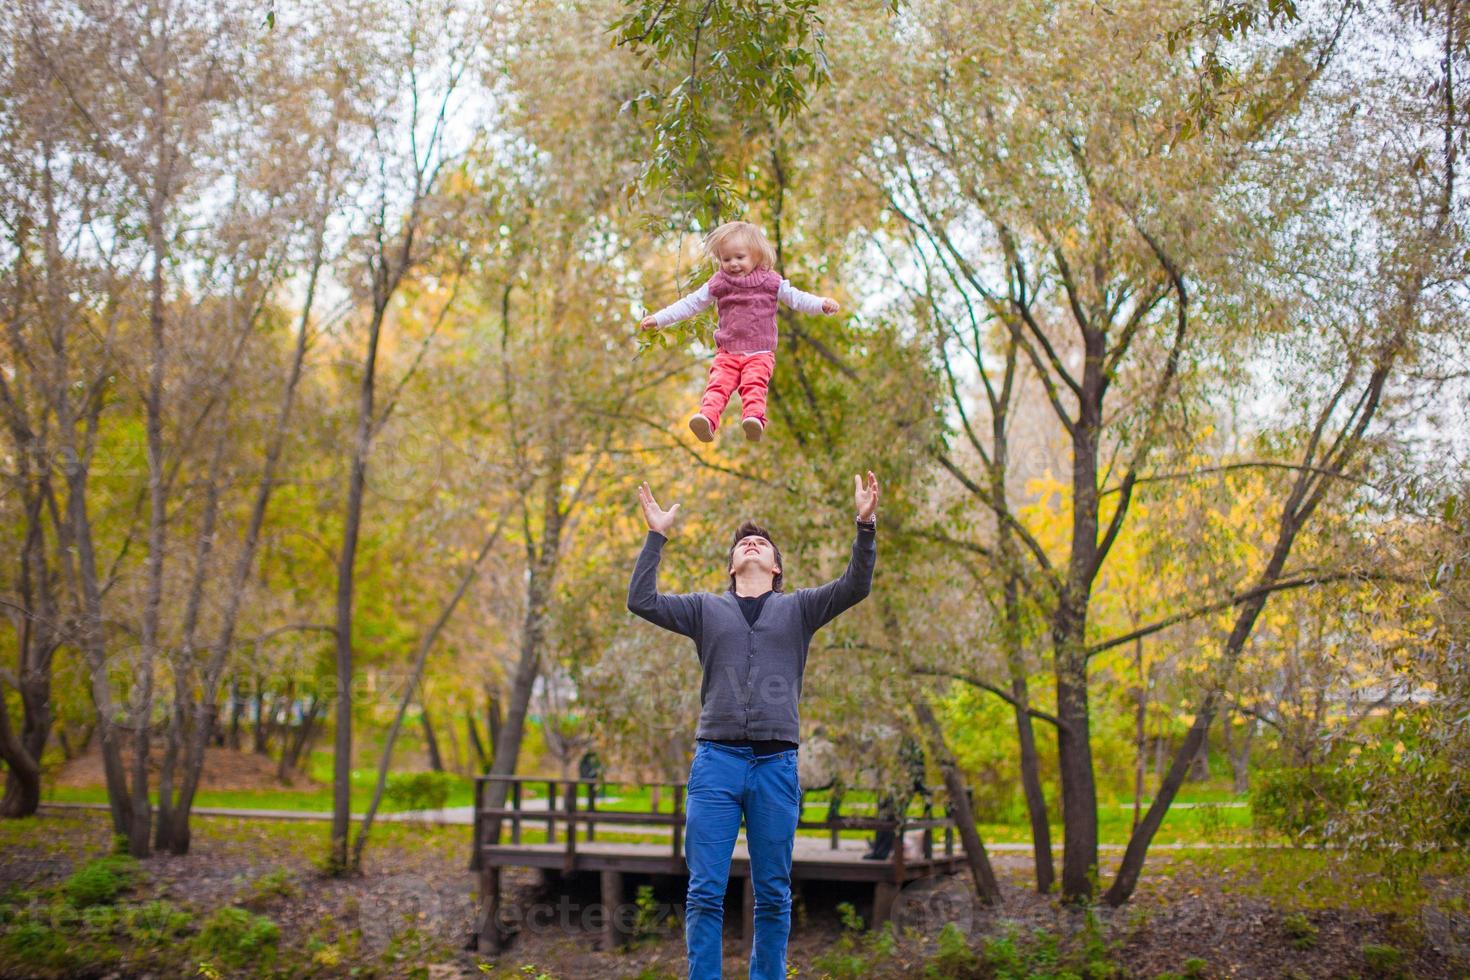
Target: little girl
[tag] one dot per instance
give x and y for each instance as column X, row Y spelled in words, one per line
column 746, row 291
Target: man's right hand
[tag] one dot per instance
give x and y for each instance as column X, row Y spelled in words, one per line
column 659, row 520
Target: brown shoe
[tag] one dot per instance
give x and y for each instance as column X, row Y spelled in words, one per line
column 754, row 429
column 699, row 425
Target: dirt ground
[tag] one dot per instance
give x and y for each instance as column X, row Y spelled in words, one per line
column 412, row 911
column 224, row 769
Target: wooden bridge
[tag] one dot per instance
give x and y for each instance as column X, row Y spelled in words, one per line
column 571, row 807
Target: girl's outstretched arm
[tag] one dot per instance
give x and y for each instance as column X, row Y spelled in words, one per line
column 696, row 302
column 804, row 302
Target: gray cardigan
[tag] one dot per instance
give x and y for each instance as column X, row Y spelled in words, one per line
column 752, row 674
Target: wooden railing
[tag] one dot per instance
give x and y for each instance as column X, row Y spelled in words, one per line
column 578, row 799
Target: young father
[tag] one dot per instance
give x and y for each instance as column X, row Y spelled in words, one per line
column 752, row 644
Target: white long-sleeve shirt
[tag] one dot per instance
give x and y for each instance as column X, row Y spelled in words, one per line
column 700, row 300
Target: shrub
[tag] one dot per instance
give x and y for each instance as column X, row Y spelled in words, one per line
column 1383, row 959
column 655, row 972
column 851, row 957
column 1007, row 960
column 236, row 938
column 41, row 949
column 954, row 959
column 155, row 923
column 1302, row 933
column 35, row 943
column 649, row 919
column 1040, row 955
column 267, row 888
column 1299, row 802
column 100, row 920
column 419, row 790
column 1097, row 951
column 100, row 881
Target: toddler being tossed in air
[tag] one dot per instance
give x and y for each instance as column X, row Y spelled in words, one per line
column 746, row 291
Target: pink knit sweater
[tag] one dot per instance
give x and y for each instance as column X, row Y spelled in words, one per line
column 747, row 306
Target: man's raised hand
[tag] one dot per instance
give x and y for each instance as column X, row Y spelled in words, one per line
column 866, row 496
column 659, row 520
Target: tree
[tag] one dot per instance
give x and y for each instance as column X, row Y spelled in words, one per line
column 412, row 151
column 137, row 119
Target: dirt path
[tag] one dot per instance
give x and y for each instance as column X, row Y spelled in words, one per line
column 224, row 769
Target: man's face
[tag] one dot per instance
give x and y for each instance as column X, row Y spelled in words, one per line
column 754, row 553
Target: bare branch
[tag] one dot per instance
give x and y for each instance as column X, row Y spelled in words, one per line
column 1280, row 585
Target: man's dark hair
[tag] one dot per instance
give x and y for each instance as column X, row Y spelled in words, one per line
column 746, row 530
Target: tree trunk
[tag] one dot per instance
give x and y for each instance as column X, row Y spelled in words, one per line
column 171, row 834
column 22, row 753
column 512, row 730
column 494, row 718
column 1140, row 735
column 986, row 886
column 431, row 744
column 77, row 536
column 36, row 637
column 22, row 776
column 280, row 725
column 1074, row 756
column 1238, row 751
column 1015, row 662
column 542, row 567
column 1031, row 785
column 232, row 733
column 236, row 709
column 508, row 745
column 1069, row 631
column 291, row 754
column 139, row 843
column 258, row 730
column 457, row 761
column 108, row 732
column 1199, row 766
column 473, row 732
column 346, row 567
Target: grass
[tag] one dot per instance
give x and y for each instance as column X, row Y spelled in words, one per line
column 1201, row 824
column 114, row 929
column 319, row 798
column 103, row 915
column 1306, row 878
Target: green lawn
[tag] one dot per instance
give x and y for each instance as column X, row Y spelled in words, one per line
column 319, row 798
column 1199, row 824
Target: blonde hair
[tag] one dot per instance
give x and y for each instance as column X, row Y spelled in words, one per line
column 740, row 233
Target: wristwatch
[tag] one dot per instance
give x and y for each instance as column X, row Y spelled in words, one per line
column 871, row 524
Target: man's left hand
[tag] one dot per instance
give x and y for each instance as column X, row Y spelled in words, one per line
column 866, row 496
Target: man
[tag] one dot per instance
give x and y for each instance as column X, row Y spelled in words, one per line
column 752, row 644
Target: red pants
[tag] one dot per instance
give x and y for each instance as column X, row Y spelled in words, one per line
column 750, row 373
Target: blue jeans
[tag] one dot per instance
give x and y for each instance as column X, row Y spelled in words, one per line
column 725, row 783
